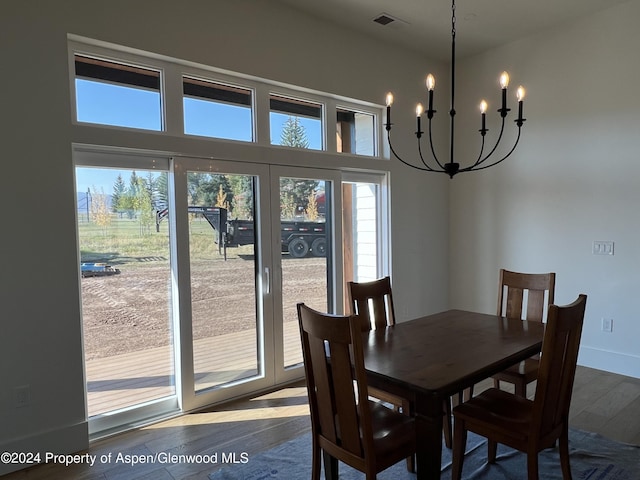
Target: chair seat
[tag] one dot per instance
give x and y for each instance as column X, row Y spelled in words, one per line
column 390, row 429
column 504, row 412
column 526, row 370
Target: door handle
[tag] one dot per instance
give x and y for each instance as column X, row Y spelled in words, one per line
column 267, row 281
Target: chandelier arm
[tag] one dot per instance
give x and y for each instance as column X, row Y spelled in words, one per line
column 433, row 151
column 481, row 161
column 477, row 162
column 427, row 169
column 476, row 167
column 424, row 162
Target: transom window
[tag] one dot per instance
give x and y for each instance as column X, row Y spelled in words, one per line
column 217, row 110
column 115, row 90
column 295, row 123
column 355, row 132
column 108, row 92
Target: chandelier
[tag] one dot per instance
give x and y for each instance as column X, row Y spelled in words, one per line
column 483, row 160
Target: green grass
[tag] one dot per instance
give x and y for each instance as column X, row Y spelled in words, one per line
column 125, row 242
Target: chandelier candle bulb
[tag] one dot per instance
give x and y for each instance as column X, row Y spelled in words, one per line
column 504, row 83
column 419, row 110
column 431, row 84
column 520, row 95
column 389, row 102
column 483, row 112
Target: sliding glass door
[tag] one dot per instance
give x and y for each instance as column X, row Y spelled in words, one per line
column 227, row 319
column 127, row 300
column 304, row 254
column 191, row 272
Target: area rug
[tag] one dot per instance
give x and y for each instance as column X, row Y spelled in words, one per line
column 593, row 457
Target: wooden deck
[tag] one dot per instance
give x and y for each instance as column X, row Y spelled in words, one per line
column 124, row 380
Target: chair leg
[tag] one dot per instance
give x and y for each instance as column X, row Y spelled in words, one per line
column 468, row 393
column 521, row 388
column 459, row 446
column 315, row 462
column 492, row 450
column 411, row 464
column 564, row 453
column 330, row 466
column 532, row 465
column 447, row 425
column 411, row 461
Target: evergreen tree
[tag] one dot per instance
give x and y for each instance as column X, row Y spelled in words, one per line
column 293, row 134
column 162, row 191
column 294, row 196
column 208, row 187
column 119, row 190
column 294, row 193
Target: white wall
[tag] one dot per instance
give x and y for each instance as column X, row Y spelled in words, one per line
column 40, row 342
column 574, row 179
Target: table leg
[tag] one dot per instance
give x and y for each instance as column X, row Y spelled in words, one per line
column 429, row 437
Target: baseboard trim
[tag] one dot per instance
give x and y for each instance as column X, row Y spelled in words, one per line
column 614, row 362
column 66, row 440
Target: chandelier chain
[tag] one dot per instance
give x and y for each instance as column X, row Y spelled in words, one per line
column 453, row 18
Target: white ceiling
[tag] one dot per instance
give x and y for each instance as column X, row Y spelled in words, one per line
column 425, row 25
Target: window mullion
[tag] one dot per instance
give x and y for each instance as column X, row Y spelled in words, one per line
column 261, row 115
column 330, row 126
column 172, row 94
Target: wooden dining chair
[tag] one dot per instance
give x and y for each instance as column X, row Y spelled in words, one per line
column 372, row 303
column 346, row 425
column 529, row 425
column 512, row 288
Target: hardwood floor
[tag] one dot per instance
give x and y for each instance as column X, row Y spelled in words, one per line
column 602, row 402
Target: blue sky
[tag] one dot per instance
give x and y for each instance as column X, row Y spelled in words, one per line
column 111, row 104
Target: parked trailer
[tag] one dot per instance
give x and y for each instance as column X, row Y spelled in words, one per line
column 299, row 238
column 296, row 237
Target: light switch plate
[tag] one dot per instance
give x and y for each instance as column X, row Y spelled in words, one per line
column 602, row 247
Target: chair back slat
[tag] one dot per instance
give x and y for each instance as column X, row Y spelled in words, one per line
column 372, row 302
column 515, row 287
column 515, row 301
column 336, row 381
column 558, row 365
column 535, row 305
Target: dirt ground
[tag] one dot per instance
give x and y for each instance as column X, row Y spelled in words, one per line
column 130, row 311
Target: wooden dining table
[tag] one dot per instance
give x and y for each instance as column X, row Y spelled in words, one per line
column 431, row 358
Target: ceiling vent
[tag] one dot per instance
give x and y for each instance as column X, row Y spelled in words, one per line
column 384, row 19
column 387, row 20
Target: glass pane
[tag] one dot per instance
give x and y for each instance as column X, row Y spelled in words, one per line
column 295, row 123
column 216, row 110
column 225, row 318
column 126, row 300
column 355, row 132
column 305, row 250
column 110, row 93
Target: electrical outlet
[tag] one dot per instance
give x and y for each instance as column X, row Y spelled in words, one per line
column 607, row 325
column 22, row 396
